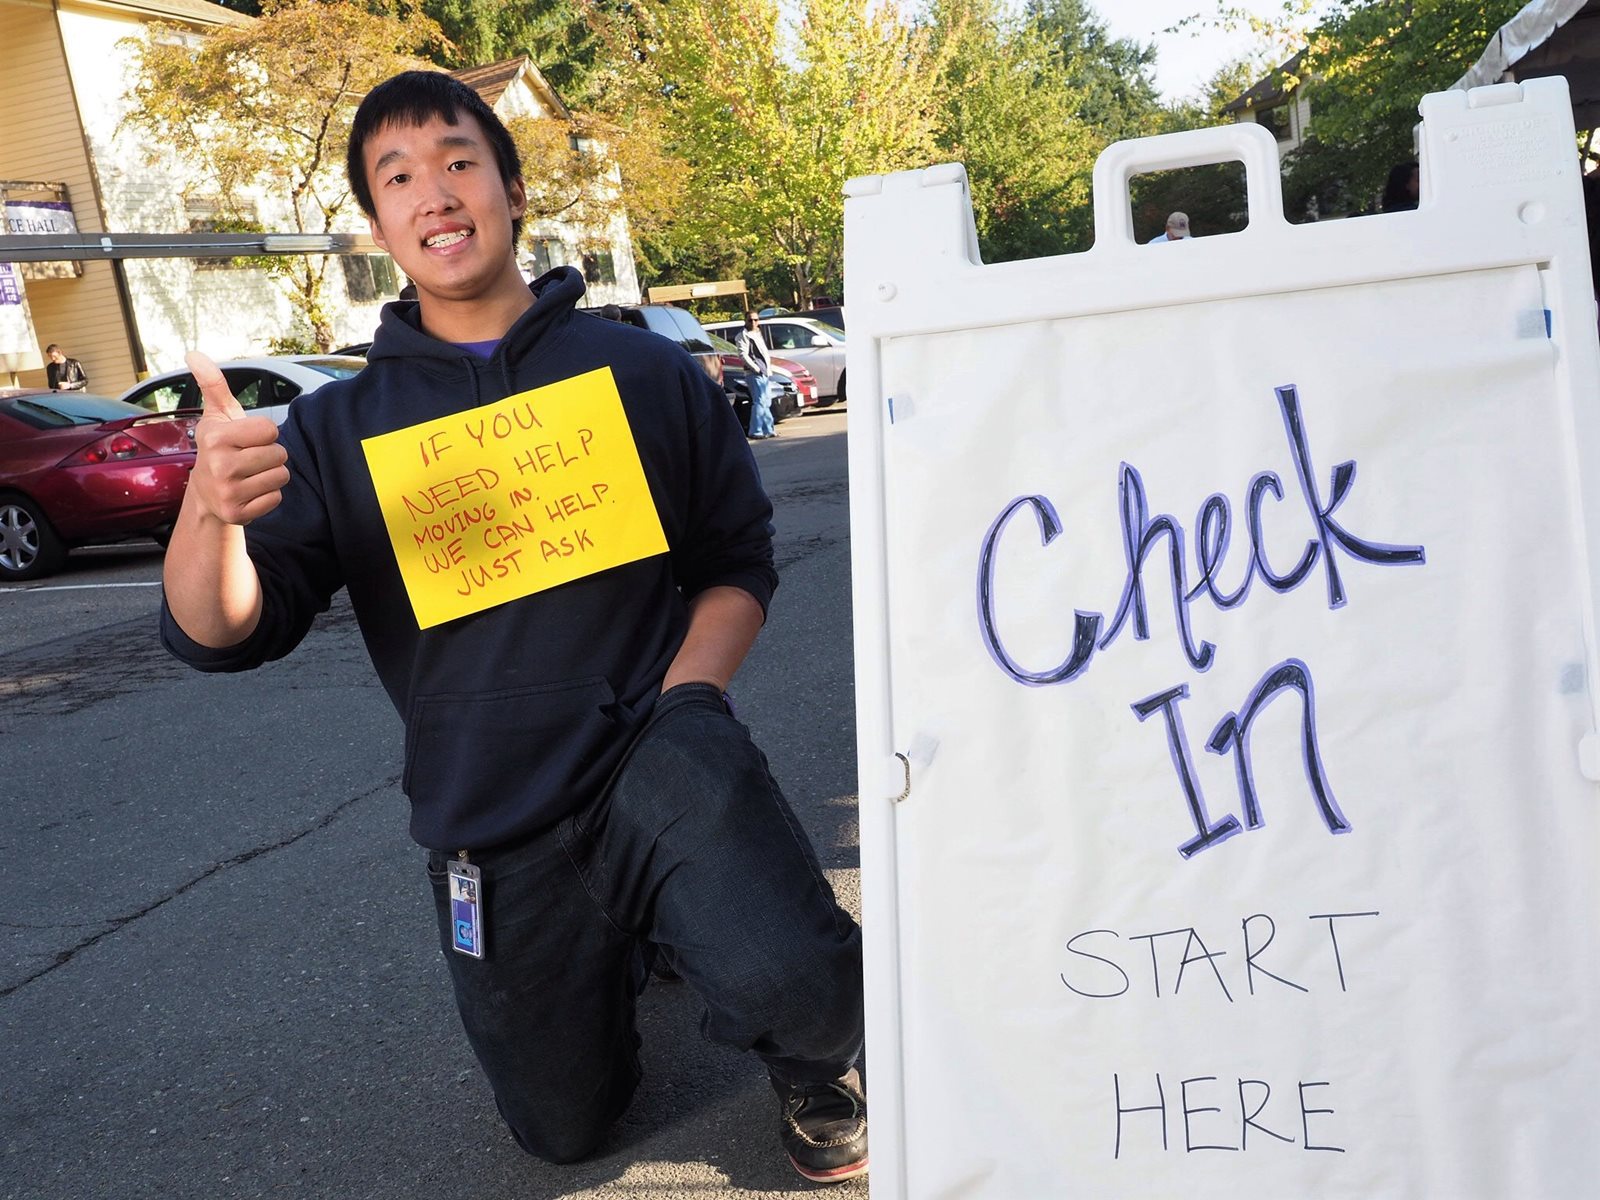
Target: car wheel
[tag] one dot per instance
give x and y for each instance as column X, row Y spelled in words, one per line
column 28, row 546
column 162, row 537
column 841, row 388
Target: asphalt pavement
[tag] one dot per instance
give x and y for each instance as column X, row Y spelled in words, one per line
column 223, row 979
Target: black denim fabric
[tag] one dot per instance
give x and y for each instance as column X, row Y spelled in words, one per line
column 693, row 848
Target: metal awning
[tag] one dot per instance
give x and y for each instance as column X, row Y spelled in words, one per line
column 88, row 247
column 1547, row 37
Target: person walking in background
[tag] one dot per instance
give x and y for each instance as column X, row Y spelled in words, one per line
column 64, row 374
column 757, row 360
column 1177, row 229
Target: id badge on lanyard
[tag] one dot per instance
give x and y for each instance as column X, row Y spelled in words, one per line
column 466, row 909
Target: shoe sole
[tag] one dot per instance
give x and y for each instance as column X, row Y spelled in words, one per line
column 837, row 1175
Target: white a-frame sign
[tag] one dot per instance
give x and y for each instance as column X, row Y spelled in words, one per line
column 1225, row 618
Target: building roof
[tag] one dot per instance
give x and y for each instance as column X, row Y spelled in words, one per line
column 197, row 12
column 1269, row 91
column 492, row 79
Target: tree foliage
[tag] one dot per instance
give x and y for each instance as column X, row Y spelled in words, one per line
column 570, row 175
column 555, row 34
column 769, row 109
column 1117, row 95
column 769, row 119
column 1364, row 66
column 1011, row 116
column 267, row 108
column 733, row 128
column 1373, row 60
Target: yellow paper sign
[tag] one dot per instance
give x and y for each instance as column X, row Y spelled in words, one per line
column 499, row 502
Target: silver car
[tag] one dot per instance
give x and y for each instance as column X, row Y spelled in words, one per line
column 261, row 385
column 816, row 346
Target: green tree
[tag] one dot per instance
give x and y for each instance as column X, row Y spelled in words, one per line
column 1117, row 95
column 555, row 34
column 571, row 171
column 1029, row 101
column 266, row 109
column 1373, row 60
column 769, row 119
column 1365, row 66
column 1010, row 116
column 1226, row 84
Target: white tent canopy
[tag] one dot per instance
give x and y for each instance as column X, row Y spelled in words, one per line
column 1548, row 37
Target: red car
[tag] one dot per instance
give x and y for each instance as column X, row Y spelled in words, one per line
column 77, row 468
column 805, row 383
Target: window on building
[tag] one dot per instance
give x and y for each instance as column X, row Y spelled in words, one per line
column 546, row 253
column 598, row 267
column 1276, row 121
column 369, row 278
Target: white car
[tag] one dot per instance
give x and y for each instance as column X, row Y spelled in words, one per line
column 261, row 385
column 814, row 345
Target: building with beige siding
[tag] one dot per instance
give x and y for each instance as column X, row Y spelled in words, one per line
column 69, row 69
column 64, row 156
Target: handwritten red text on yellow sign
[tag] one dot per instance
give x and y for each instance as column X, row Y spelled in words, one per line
column 499, row 502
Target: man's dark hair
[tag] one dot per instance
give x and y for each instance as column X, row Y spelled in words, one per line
column 415, row 98
column 51, row 348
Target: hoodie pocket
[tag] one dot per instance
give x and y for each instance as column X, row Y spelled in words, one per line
column 481, row 767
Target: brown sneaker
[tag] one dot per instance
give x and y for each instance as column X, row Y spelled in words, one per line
column 825, row 1127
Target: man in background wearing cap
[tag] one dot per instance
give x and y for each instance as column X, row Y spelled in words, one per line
column 1177, row 227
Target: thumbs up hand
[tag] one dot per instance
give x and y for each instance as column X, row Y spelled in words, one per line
column 239, row 472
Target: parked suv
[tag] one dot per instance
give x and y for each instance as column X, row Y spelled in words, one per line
column 831, row 314
column 680, row 325
column 814, row 345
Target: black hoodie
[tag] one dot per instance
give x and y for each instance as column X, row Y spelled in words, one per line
column 515, row 715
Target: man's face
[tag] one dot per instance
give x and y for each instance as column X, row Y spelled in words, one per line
column 440, row 207
column 57, row 357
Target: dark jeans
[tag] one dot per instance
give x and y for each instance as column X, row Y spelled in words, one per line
column 694, row 849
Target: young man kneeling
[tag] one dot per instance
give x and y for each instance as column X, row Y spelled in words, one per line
column 558, row 547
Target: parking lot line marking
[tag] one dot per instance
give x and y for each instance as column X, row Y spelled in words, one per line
column 81, row 587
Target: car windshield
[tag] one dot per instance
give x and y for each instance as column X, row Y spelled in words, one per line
column 722, row 344
column 339, row 368
column 832, row 331
column 58, row 410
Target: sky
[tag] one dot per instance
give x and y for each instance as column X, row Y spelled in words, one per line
column 1185, row 59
